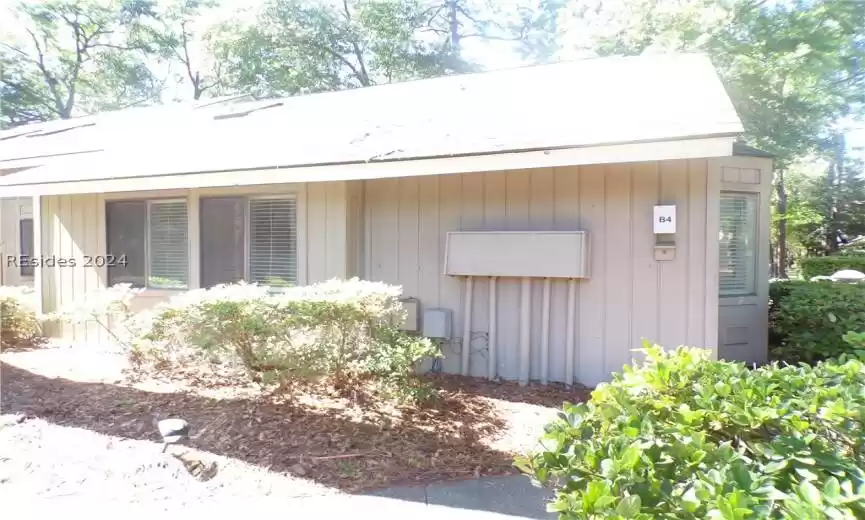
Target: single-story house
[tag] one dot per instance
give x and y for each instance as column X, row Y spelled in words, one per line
column 541, row 220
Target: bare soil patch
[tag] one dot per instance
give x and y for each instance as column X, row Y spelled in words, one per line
column 474, row 429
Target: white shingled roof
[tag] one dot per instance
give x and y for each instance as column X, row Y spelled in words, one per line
column 596, row 102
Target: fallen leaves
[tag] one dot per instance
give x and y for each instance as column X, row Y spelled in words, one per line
column 473, row 429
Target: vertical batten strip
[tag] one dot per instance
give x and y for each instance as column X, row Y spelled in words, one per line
column 570, row 339
column 491, row 359
column 193, row 231
column 38, row 283
column 545, row 332
column 525, row 329
column 467, row 328
column 712, row 223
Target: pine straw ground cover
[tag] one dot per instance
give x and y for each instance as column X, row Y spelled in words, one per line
column 474, row 428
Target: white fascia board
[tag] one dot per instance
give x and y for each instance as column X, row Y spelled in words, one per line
column 620, row 153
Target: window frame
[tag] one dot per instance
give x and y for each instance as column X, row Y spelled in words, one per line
column 754, row 263
column 247, row 233
column 147, row 237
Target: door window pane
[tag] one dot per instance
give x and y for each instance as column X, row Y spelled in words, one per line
column 25, row 226
column 125, row 224
column 738, row 244
column 222, row 240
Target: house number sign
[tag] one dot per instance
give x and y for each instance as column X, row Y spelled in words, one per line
column 665, row 219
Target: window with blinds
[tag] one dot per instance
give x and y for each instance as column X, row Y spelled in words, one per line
column 148, row 242
column 168, row 245
column 273, row 242
column 737, row 244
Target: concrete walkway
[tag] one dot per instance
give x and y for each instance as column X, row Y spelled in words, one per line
column 502, row 497
column 505, row 498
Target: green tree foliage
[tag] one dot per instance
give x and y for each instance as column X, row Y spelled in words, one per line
column 295, row 46
column 61, row 58
column 66, row 57
column 175, row 36
column 793, row 68
column 457, row 21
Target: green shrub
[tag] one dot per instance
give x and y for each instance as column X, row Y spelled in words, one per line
column 340, row 330
column 18, row 323
column 851, row 251
column 684, row 436
column 856, row 340
column 811, row 320
column 778, row 290
column 109, row 307
column 828, row 265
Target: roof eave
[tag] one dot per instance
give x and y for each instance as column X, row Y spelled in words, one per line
column 714, row 146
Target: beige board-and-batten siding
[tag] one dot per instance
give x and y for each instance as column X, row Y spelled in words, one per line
column 628, row 295
column 394, row 230
column 74, row 227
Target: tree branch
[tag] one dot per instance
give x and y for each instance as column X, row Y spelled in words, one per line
column 111, row 46
column 497, row 38
column 362, row 75
column 194, row 77
column 433, row 29
column 44, row 101
column 49, row 78
column 432, row 17
column 19, row 51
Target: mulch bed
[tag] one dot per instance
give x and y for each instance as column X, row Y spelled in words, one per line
column 329, row 439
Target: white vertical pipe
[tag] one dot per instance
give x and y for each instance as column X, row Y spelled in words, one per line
column 491, row 360
column 545, row 332
column 467, row 328
column 571, row 336
column 525, row 330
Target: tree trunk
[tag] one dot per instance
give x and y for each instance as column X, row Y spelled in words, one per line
column 772, row 267
column 833, row 178
column 782, row 226
column 453, row 18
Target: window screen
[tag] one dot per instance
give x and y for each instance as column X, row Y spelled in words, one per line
column 25, row 227
column 168, row 245
column 273, row 242
column 737, row 244
column 223, row 240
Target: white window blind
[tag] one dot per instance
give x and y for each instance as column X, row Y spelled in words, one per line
column 737, row 244
column 273, row 242
column 168, row 245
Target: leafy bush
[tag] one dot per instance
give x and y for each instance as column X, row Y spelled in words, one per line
column 110, row 308
column 851, row 250
column 338, row 329
column 778, row 290
column 828, row 265
column 18, row 323
column 856, row 340
column 812, row 318
column 684, row 436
